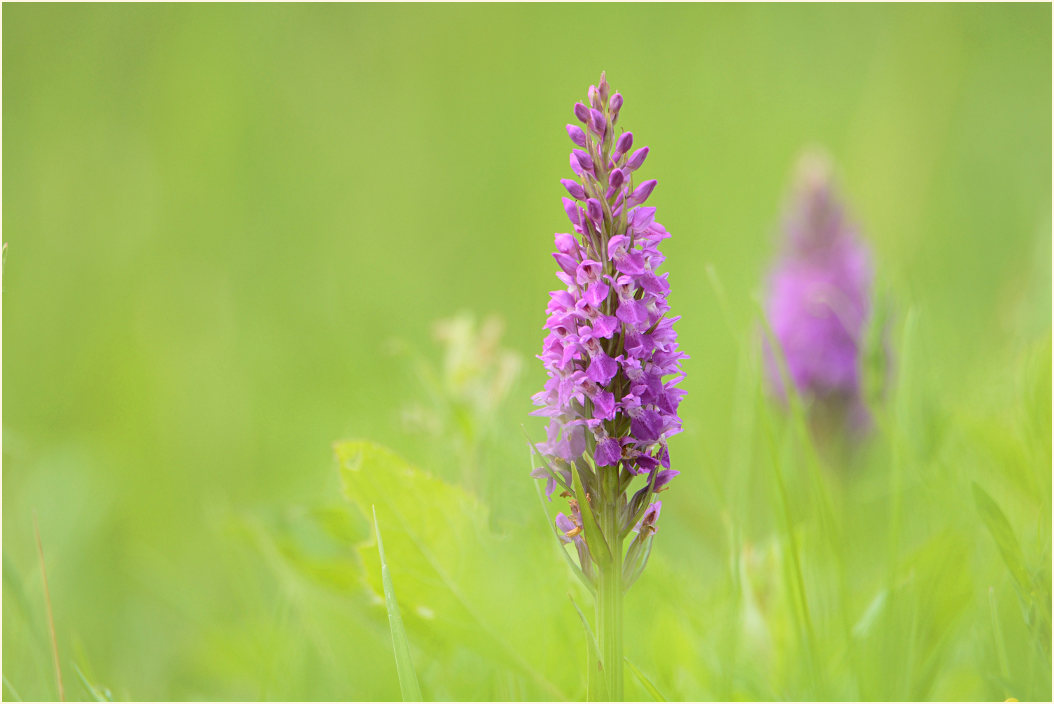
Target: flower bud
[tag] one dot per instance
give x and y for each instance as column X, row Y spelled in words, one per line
column 573, row 213
column 597, row 123
column 594, row 210
column 594, row 98
column 608, row 453
column 582, row 112
column 577, row 135
column 565, row 243
column 575, row 166
column 566, row 262
column 574, row 188
column 641, row 193
column 636, row 559
column 636, row 159
column 584, row 160
column 625, row 141
column 615, row 105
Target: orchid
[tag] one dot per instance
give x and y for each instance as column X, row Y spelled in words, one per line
column 819, row 300
column 613, row 364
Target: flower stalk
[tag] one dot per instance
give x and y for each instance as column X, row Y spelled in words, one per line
column 613, row 364
column 609, row 597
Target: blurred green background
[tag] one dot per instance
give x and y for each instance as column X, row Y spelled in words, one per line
column 232, row 229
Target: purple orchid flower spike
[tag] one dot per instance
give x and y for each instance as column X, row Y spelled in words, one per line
column 819, row 303
column 613, row 366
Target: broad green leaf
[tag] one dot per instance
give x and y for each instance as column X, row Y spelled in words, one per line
column 312, row 543
column 404, row 664
column 456, row 577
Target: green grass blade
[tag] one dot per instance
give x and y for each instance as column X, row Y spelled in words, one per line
column 794, row 577
column 901, row 429
column 997, row 524
column 997, row 637
column 13, row 584
column 97, row 694
column 594, row 680
column 722, row 302
column 648, row 685
column 864, row 627
column 800, row 425
column 404, row 664
column 7, row 683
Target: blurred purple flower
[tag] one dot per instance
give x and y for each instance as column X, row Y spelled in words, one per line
column 819, row 298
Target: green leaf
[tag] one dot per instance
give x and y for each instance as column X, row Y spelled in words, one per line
column 648, row 685
column 598, row 547
column 997, row 524
column 308, row 543
column 457, row 577
column 404, row 664
column 636, row 562
column 559, row 545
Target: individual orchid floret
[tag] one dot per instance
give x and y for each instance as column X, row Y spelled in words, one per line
column 819, row 300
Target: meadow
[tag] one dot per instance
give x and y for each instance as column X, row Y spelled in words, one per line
column 270, row 268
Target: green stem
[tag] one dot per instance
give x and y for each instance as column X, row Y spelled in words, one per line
column 609, row 587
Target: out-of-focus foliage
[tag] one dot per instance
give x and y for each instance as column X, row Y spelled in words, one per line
column 464, row 388
column 466, row 587
column 218, row 218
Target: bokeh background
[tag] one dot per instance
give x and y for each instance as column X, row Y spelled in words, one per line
column 232, row 231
